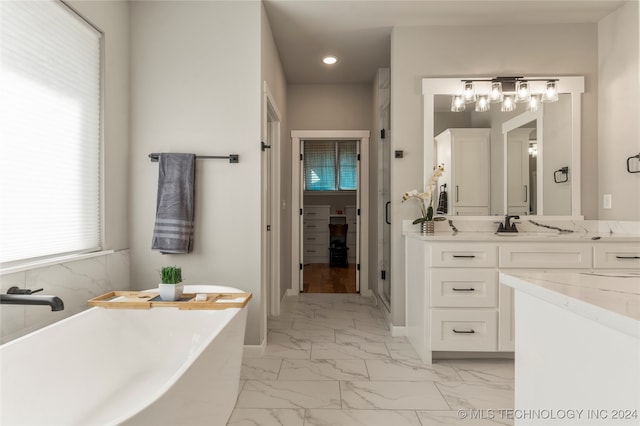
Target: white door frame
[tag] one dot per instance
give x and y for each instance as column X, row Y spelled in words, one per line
column 271, row 119
column 296, row 201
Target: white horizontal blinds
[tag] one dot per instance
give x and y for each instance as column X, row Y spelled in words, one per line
column 348, row 165
column 49, row 131
column 320, row 165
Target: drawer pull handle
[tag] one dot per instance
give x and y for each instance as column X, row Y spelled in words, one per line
column 464, row 289
column 464, row 331
column 464, row 256
column 628, row 257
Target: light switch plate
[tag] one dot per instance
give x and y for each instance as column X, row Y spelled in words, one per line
column 606, row 201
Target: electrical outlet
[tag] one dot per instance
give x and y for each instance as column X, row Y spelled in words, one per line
column 606, row 201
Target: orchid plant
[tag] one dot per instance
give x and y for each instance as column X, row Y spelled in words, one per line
column 425, row 199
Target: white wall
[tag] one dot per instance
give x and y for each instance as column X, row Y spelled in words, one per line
column 195, row 79
column 418, row 52
column 273, row 75
column 618, row 112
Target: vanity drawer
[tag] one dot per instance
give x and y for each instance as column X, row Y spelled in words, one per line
column 464, row 330
column 316, row 212
column 547, row 256
column 617, row 256
column 469, row 255
column 462, row 288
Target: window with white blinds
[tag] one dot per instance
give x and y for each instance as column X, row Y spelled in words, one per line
column 49, row 131
column 330, row 165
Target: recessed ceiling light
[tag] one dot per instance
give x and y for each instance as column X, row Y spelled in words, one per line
column 329, row 60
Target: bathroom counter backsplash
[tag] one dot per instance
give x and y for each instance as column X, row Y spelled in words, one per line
column 531, row 228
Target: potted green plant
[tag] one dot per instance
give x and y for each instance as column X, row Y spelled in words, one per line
column 170, row 286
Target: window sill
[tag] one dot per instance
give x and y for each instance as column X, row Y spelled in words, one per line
column 53, row 261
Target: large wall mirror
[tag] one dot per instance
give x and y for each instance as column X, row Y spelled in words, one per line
column 534, row 154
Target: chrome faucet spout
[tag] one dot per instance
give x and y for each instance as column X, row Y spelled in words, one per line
column 26, row 299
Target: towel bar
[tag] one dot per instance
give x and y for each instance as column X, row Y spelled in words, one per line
column 233, row 158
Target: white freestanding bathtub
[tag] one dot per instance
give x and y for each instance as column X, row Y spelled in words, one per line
column 160, row 366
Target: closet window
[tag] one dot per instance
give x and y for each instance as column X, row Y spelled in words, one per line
column 49, row 132
column 330, row 165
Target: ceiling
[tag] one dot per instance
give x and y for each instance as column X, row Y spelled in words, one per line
column 358, row 32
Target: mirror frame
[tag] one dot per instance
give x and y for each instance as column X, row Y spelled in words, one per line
column 573, row 85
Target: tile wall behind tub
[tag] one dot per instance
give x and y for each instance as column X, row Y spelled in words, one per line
column 74, row 282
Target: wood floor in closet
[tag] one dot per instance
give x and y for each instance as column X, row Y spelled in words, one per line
column 322, row 278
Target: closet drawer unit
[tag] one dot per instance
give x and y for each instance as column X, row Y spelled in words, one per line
column 617, row 256
column 464, row 330
column 464, row 255
column 316, row 238
column 464, row 288
column 320, row 226
column 546, row 256
column 316, row 253
column 316, row 212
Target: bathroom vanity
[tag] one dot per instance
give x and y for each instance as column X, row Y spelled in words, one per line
column 578, row 347
column 454, row 301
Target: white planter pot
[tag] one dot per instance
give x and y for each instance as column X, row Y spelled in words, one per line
column 170, row 292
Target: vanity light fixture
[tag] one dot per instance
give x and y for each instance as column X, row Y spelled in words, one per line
column 482, row 104
column 508, row 90
column 523, row 94
column 509, row 104
column 534, row 103
column 469, row 92
column 329, row 60
column 457, row 103
column 551, row 93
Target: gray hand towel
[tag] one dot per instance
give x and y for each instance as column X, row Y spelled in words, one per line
column 173, row 231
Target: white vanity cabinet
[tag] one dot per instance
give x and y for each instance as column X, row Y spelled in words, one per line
column 454, row 301
column 316, row 234
column 465, row 154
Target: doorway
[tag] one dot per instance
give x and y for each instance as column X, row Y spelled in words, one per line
column 328, row 192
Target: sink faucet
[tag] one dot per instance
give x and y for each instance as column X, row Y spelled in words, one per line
column 17, row 296
column 507, row 226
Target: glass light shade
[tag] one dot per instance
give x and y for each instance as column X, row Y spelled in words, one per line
column 551, row 93
column 534, row 103
column 496, row 92
column 469, row 92
column 508, row 104
column 522, row 91
column 457, row 104
column 482, row 104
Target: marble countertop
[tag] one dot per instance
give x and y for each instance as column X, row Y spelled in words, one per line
column 590, row 237
column 609, row 298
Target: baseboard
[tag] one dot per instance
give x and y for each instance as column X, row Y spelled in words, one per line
column 397, row 331
column 472, row 355
column 366, row 292
column 255, row 351
column 291, row 292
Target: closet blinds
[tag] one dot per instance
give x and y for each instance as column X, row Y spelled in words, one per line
column 49, row 131
column 330, row 165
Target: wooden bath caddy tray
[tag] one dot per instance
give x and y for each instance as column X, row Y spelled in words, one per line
column 150, row 299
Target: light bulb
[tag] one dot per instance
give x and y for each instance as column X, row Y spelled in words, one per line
column 522, row 91
column 469, row 92
column 508, row 104
column 496, row 92
column 482, row 104
column 551, row 92
column 534, row 103
column 457, row 104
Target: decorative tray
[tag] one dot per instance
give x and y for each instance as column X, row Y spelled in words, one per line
column 150, row 299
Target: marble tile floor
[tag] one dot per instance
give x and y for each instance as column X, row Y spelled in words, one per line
column 331, row 360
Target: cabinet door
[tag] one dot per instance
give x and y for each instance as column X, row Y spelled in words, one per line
column 518, row 172
column 471, row 158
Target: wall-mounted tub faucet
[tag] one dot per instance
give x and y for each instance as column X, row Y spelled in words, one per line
column 18, row 296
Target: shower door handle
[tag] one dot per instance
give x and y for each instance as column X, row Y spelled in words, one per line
column 386, row 212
